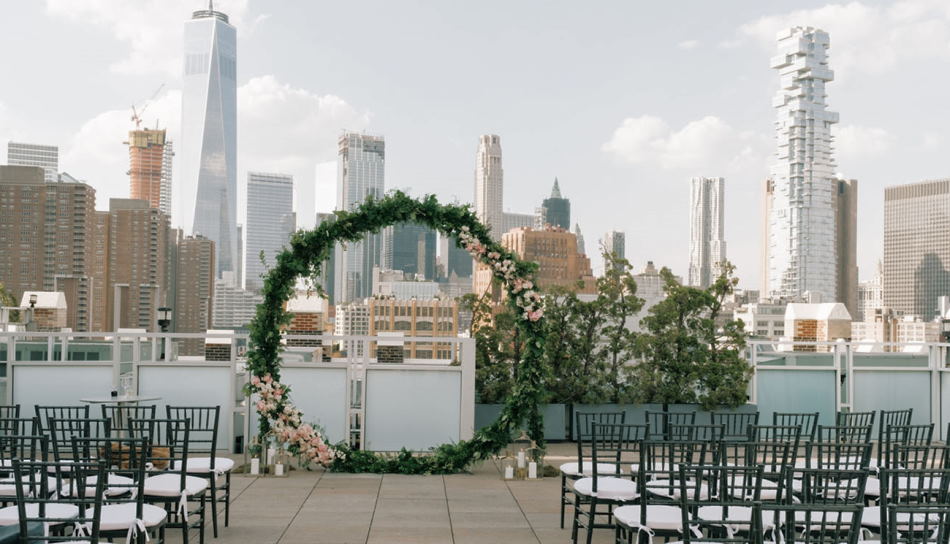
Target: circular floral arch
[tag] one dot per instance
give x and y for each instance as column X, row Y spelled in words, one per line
column 280, row 419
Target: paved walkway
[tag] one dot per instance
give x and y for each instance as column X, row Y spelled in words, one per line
column 320, row 507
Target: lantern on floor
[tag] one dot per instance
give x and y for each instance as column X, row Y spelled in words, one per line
column 521, row 446
column 281, row 463
column 508, row 465
column 535, row 461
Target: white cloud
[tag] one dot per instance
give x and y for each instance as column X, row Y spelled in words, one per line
column 688, row 44
column 708, row 143
column 280, row 129
column 866, row 38
column 151, row 30
column 857, row 141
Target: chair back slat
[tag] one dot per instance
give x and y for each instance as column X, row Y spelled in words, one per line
column 806, row 421
column 62, row 431
column 816, row 523
column 119, row 416
column 202, row 426
column 43, row 413
column 10, row 411
column 855, row 419
column 735, row 424
column 660, row 422
column 844, row 433
column 916, row 524
column 616, row 444
column 828, row 486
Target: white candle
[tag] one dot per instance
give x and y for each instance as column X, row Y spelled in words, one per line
column 271, row 453
column 255, row 466
column 521, row 459
column 532, row 470
column 509, row 472
column 279, row 469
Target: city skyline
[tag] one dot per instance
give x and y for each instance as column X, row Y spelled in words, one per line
column 647, row 179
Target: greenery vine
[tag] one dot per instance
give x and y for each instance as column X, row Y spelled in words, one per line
column 307, row 253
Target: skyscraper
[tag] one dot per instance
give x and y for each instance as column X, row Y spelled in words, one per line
column 556, row 210
column 916, row 251
column 270, row 222
column 846, row 242
column 47, row 239
column 614, row 244
column 138, row 275
column 361, row 170
column 455, row 260
column 489, row 184
column 707, row 248
column 195, row 295
column 580, row 239
column 411, row 248
column 328, row 267
column 801, row 255
column 150, row 165
column 44, row 156
column 555, row 252
column 209, row 131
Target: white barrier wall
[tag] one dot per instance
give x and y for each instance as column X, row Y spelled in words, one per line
column 412, row 409
column 321, row 394
column 182, row 384
column 58, row 384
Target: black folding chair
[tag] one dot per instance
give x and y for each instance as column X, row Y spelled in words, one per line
column 65, row 518
column 575, row 469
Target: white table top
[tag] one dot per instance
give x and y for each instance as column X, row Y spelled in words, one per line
column 130, row 399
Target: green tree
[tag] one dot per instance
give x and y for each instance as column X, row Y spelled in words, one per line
column 496, row 348
column 7, row 300
column 617, row 297
column 683, row 356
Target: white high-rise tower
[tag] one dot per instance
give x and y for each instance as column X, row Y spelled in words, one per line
column 489, row 184
column 361, row 171
column 800, row 223
column 270, row 222
column 707, row 248
column 208, row 147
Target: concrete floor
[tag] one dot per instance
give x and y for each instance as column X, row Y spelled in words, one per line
column 321, row 507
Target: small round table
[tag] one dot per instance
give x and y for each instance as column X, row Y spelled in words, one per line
column 121, row 401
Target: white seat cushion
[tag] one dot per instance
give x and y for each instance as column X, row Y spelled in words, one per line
column 666, row 488
column 119, row 517
column 609, row 488
column 736, row 513
column 571, row 469
column 660, row 517
column 10, row 515
column 118, row 485
column 872, row 487
column 202, row 465
column 169, row 485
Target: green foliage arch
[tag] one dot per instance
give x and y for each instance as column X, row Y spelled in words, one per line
column 308, row 251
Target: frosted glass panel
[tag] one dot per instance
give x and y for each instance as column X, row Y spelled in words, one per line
column 321, row 394
column 415, row 409
column 59, row 385
column 893, row 390
column 796, row 391
column 192, row 386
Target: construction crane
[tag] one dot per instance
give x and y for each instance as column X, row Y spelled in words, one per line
column 137, row 115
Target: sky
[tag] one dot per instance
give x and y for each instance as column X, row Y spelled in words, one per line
column 622, row 101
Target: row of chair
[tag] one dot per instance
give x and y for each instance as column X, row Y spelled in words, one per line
column 155, row 472
column 803, row 445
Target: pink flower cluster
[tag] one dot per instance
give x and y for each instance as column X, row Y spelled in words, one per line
column 527, row 298
column 286, row 424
